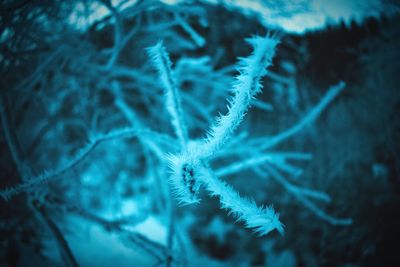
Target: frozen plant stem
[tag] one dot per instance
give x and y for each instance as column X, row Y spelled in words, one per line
column 163, row 64
column 246, row 86
column 261, row 219
column 190, row 166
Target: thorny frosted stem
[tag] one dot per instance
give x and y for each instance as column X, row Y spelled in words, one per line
column 163, row 64
column 173, row 103
column 261, row 219
column 190, row 167
column 245, row 88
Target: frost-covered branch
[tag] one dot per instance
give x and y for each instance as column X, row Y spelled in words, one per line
column 8, row 135
column 24, row 171
column 30, row 182
column 120, row 37
column 173, row 100
column 197, row 38
column 308, row 119
column 245, row 88
column 64, row 247
column 261, row 219
column 189, row 169
column 278, row 159
column 301, row 195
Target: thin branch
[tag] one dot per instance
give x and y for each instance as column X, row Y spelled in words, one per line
column 120, row 38
column 163, row 64
column 278, row 159
column 14, row 147
column 301, row 197
column 65, row 249
column 307, row 120
column 30, row 182
column 24, row 171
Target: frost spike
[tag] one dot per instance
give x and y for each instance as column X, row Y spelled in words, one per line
column 261, row 219
column 245, row 87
